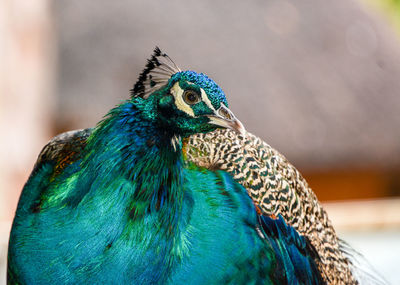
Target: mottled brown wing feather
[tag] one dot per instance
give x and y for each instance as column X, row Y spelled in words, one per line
column 63, row 149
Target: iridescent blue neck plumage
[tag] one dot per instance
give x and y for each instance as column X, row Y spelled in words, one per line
column 130, row 144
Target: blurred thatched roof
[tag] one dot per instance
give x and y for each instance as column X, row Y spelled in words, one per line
column 318, row 80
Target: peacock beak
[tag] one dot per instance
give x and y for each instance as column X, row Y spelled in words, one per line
column 226, row 119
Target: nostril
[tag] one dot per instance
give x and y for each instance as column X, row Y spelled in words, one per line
column 225, row 113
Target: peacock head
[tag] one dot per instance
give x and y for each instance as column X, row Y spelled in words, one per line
column 187, row 102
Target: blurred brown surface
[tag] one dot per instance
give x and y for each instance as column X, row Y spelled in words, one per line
column 353, row 184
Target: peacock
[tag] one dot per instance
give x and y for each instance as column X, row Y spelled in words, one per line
column 169, row 188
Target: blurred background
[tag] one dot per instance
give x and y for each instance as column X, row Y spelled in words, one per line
column 317, row 80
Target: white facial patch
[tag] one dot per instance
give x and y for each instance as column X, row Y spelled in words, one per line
column 177, row 92
column 205, row 99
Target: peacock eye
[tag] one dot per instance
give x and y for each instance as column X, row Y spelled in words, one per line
column 191, row 97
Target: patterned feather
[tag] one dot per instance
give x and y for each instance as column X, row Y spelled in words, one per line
column 157, row 72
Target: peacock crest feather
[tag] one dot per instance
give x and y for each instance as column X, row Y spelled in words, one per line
column 157, row 73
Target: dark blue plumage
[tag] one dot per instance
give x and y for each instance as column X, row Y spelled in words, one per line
column 120, row 204
column 296, row 258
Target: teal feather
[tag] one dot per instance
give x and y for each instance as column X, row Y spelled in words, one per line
column 120, row 204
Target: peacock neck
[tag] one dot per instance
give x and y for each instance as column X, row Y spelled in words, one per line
column 131, row 145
